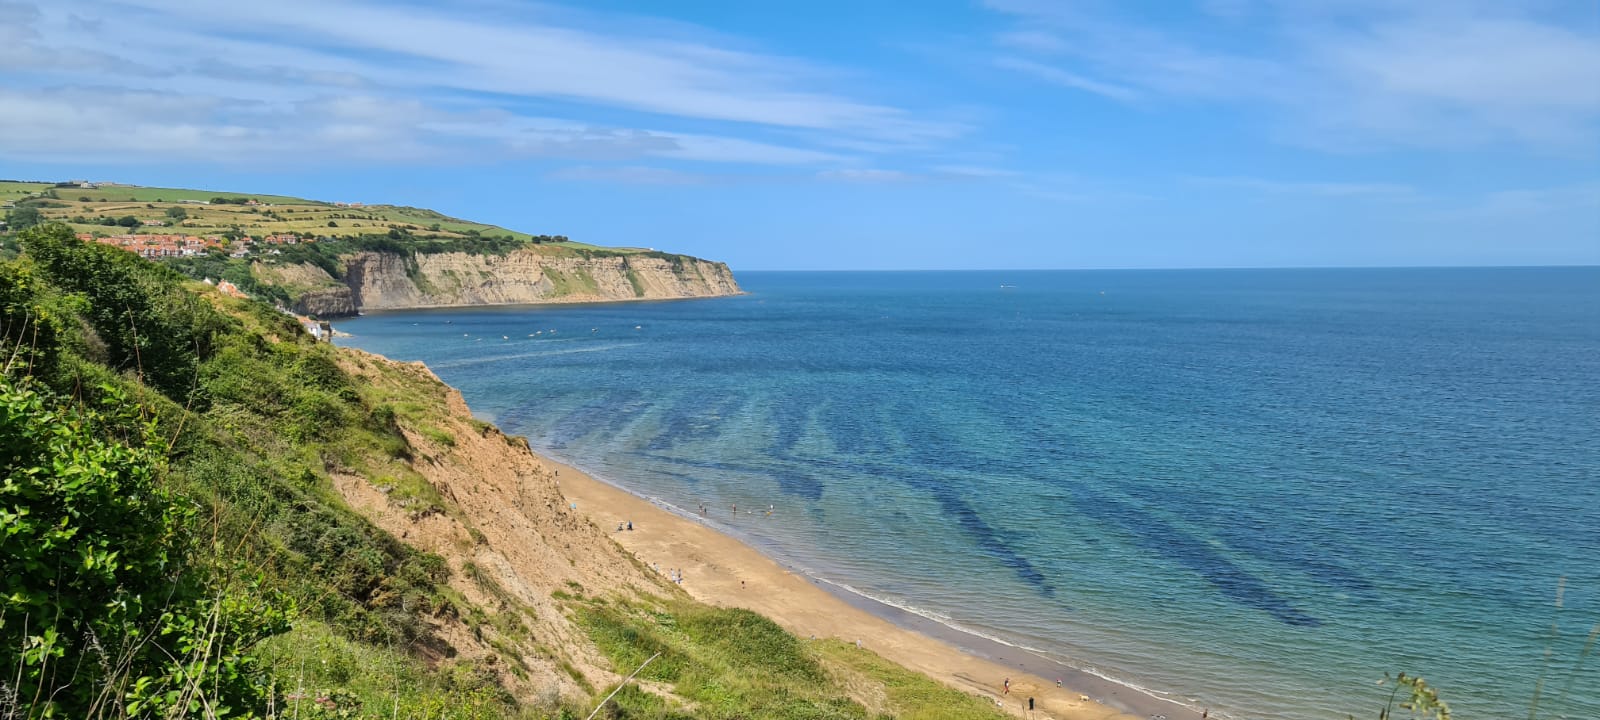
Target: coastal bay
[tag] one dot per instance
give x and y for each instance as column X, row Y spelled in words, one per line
column 1221, row 486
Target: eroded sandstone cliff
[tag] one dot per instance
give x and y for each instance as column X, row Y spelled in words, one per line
column 388, row 281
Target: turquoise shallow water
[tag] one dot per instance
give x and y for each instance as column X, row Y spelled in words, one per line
column 1257, row 491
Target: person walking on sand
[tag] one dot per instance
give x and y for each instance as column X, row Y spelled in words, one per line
column 1008, row 686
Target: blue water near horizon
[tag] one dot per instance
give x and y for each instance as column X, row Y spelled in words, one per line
column 1253, row 490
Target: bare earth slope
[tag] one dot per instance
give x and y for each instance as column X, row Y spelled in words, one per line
column 510, row 539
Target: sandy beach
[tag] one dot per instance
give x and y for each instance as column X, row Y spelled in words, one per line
column 720, row 570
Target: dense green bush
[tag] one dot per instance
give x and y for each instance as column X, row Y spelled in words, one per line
column 149, row 324
column 105, row 607
column 252, row 416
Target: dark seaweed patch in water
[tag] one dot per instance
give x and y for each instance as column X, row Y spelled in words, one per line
column 797, row 483
column 789, row 424
column 696, row 419
column 1163, row 538
column 584, row 419
column 1286, row 550
column 1248, row 533
column 991, row 543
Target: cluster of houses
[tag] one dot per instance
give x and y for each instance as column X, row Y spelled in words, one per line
column 161, row 246
column 158, row 246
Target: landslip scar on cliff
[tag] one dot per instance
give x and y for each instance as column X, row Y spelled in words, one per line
column 332, row 259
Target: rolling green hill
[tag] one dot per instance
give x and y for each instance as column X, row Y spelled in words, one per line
column 86, row 210
column 331, row 259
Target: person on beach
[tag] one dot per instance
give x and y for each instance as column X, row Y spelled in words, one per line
column 1008, row 686
column 630, row 525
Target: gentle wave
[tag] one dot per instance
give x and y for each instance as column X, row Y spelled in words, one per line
column 1042, row 654
column 522, row 356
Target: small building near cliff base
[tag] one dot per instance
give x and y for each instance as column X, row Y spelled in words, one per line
column 322, row 330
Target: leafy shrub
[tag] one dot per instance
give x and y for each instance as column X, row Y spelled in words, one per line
column 150, row 325
column 101, row 591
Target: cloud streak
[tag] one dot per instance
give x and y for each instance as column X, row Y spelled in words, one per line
column 1335, row 75
column 250, row 79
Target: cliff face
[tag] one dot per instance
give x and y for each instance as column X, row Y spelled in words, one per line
column 327, row 303
column 386, row 281
column 383, row 281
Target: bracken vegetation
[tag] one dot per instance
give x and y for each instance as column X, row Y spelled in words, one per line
column 167, row 506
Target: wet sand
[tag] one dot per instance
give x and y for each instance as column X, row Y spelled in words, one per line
column 720, row 570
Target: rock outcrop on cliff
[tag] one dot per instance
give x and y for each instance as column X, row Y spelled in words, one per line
column 392, row 281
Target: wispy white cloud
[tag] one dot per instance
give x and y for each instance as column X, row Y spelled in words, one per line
column 973, row 171
column 1317, row 188
column 1057, row 76
column 1337, row 74
column 132, row 126
column 1542, row 201
column 408, row 81
column 867, row 175
column 628, row 175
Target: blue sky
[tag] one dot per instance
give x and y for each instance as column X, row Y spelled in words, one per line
column 857, row 135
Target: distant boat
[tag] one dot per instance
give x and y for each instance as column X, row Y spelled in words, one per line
column 1004, row 286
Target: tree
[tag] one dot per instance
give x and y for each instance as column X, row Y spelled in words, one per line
column 128, row 221
column 23, row 218
column 332, row 224
column 177, row 213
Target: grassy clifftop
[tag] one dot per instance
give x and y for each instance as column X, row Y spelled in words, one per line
column 207, row 514
column 298, row 253
column 204, row 212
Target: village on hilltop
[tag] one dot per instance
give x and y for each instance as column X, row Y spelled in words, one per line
column 165, row 246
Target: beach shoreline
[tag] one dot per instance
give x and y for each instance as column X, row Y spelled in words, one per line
column 723, row 570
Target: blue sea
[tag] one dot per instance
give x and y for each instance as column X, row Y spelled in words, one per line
column 1253, row 491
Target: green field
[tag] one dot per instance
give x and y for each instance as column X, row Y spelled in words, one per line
column 87, row 209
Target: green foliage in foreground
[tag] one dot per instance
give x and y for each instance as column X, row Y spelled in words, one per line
column 733, row 663
column 107, row 609
column 144, row 418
